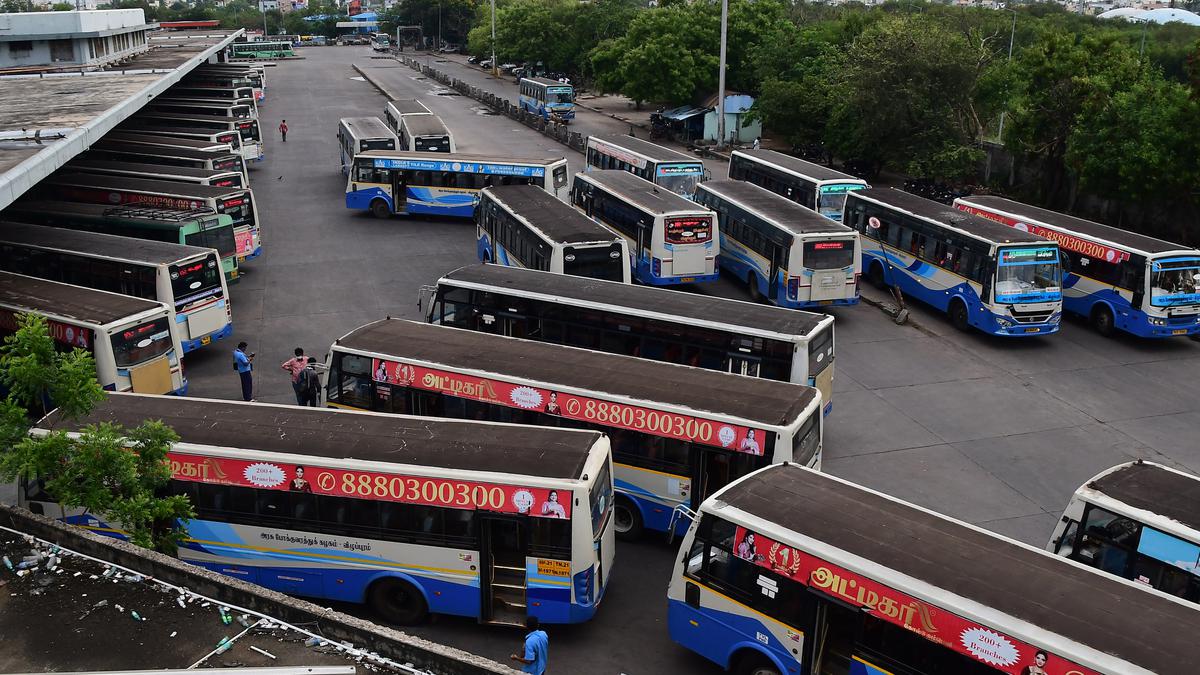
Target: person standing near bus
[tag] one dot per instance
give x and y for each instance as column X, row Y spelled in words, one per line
column 283, row 130
column 295, row 366
column 243, row 363
column 537, row 649
column 310, row 384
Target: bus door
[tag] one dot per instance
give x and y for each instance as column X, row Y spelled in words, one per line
column 831, row 649
column 503, row 541
column 399, row 192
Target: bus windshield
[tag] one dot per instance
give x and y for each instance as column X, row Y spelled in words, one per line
column 137, row 344
column 832, row 200
column 1028, row 274
column 681, row 179
column 560, row 95
column 1174, row 281
column 195, row 277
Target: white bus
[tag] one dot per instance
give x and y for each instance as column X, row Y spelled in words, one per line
column 671, row 239
column 810, row 185
column 793, row 571
column 406, row 514
column 245, row 108
column 380, row 42
column 789, row 255
column 359, row 134
column 170, row 150
column 248, row 129
column 422, row 183
column 1139, row 521
column 398, row 108
column 187, row 279
column 524, row 226
column 424, row 133
column 132, row 340
column 678, row 433
column 669, row 169
column 550, row 100
column 701, row 331
column 1119, row 280
column 182, row 174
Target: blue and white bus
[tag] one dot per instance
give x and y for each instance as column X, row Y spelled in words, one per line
column 410, row 515
column 1000, row 280
column 787, row 254
column 359, row 134
column 551, row 100
column 422, row 183
column 790, row 571
column 1119, row 280
column 671, row 239
column 666, row 168
column 810, row 185
column 524, row 226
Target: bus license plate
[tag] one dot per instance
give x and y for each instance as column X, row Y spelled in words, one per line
column 687, row 280
column 207, row 339
column 241, row 258
column 826, row 302
column 1032, row 330
column 1179, row 332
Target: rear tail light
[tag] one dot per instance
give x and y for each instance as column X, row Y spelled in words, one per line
column 793, row 287
column 656, row 267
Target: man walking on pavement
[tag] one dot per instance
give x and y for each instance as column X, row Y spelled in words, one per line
column 310, row 384
column 295, row 366
column 243, row 363
column 283, row 130
column 537, row 649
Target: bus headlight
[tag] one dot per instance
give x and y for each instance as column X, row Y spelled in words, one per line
column 1155, row 321
column 1003, row 323
column 1056, row 318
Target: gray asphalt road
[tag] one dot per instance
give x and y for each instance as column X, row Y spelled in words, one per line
column 995, row 432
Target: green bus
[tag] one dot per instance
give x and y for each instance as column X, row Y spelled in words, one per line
column 260, row 50
column 197, row 227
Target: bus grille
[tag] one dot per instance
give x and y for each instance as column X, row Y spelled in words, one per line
column 1040, row 316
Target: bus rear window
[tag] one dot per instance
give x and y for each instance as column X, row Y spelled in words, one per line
column 377, row 144
column 138, row 344
column 820, row 351
column 688, row 230
column 828, row 254
column 220, row 238
column 596, row 262
column 195, row 277
column 807, row 440
column 432, row 144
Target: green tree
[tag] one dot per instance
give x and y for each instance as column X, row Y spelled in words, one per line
column 103, row 469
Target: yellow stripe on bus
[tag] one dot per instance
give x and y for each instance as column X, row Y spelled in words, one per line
column 638, row 468
column 872, row 666
column 328, row 556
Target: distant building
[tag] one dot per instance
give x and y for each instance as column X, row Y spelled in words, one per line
column 267, row 5
column 33, row 41
column 736, row 106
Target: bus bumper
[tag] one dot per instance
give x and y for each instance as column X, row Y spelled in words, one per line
column 1006, row 328
column 182, row 391
column 191, row 345
column 257, row 252
column 817, row 304
column 1148, row 328
column 647, row 277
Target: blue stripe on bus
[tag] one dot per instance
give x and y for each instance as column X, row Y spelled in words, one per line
column 718, row 635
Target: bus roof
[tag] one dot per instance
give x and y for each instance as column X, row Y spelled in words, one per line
column 425, row 125
column 135, row 149
column 749, row 398
column 184, row 119
column 94, row 243
column 126, row 212
column 409, row 106
column 547, row 82
column 88, row 305
column 159, row 140
column 816, row 172
column 89, row 180
column 1123, row 238
column 779, row 210
column 975, row 226
column 547, row 214
column 651, row 151
column 675, row 306
column 641, row 192
column 367, row 127
column 439, row 158
column 1154, row 488
column 138, row 125
column 990, row 574
column 201, row 102
column 340, row 434
column 138, row 167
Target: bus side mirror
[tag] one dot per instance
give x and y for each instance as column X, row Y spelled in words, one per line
column 691, row 595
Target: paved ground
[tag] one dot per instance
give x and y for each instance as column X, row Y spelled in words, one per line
column 996, row 432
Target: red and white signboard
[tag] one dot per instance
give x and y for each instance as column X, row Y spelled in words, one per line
column 1000, row 651
column 455, row 494
column 62, row 333
column 1070, row 242
column 119, row 197
column 615, row 152
column 660, row 423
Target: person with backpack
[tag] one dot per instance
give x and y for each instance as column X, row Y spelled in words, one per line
column 310, row 384
column 295, row 366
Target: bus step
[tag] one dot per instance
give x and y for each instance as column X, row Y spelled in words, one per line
column 506, row 568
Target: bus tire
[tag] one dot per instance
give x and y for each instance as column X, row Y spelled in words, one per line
column 752, row 281
column 1102, row 320
column 959, row 316
column 750, row 662
column 875, row 276
column 627, row 519
column 379, row 209
column 397, row 601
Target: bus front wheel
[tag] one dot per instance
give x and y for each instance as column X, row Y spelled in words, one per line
column 398, row 601
column 627, row 519
column 1102, row 320
column 752, row 663
column 958, row 315
column 379, row 209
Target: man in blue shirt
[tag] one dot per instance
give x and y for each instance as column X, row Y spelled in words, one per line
column 243, row 363
column 537, row 648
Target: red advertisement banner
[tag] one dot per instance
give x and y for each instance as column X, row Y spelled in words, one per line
column 244, row 241
column 614, row 151
column 1000, row 651
column 61, row 333
column 104, row 196
column 450, row 493
column 660, row 423
column 1067, row 241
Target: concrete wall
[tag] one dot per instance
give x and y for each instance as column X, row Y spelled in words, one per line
column 335, row 626
column 28, row 25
